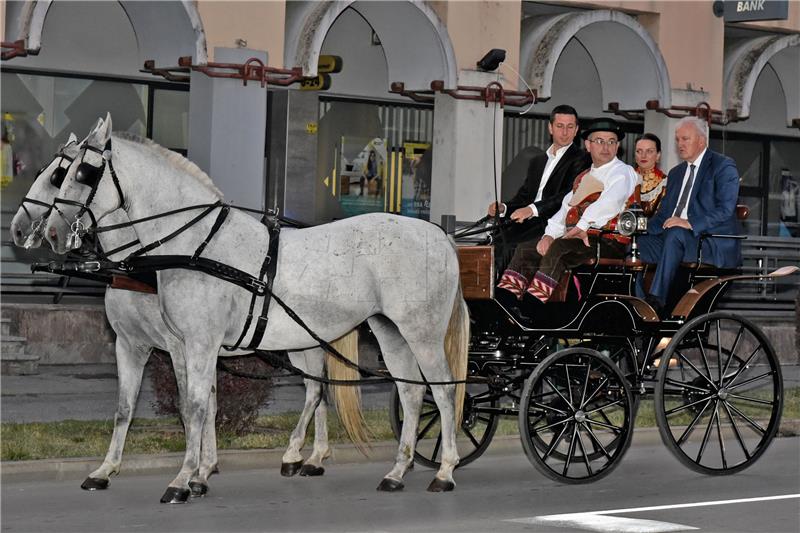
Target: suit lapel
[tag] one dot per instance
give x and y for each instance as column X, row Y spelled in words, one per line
column 564, row 160
column 700, row 177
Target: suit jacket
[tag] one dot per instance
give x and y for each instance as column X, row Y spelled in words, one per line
column 573, row 162
column 712, row 206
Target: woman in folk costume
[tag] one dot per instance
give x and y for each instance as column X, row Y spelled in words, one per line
column 598, row 196
column 654, row 181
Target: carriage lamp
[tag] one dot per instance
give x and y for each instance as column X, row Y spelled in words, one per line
column 630, row 223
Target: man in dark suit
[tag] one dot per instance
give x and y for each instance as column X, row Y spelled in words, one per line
column 549, row 179
column 701, row 198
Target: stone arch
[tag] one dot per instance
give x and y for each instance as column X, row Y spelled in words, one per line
column 151, row 27
column 744, row 63
column 544, row 39
column 434, row 58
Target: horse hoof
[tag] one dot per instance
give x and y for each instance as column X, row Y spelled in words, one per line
column 175, row 495
column 311, row 470
column 290, row 469
column 390, row 485
column 94, row 483
column 437, row 485
column 198, row 489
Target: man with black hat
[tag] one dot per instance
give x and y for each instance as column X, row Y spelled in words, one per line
column 598, row 196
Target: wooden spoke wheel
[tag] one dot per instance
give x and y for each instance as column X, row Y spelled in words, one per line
column 719, row 394
column 576, row 416
column 478, row 425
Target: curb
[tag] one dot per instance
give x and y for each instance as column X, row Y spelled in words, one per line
column 78, row 468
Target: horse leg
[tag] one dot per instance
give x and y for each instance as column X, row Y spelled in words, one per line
column 400, row 362
column 130, row 366
column 200, row 372
column 432, row 362
column 311, row 362
column 208, row 447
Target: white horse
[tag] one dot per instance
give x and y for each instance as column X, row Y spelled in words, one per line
column 136, row 319
column 398, row 273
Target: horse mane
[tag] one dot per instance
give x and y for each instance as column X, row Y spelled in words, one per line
column 174, row 158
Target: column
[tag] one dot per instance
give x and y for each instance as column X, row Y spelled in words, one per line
column 664, row 126
column 227, row 130
column 467, row 153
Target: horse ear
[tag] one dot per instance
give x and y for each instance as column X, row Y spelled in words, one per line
column 72, row 139
column 96, row 127
column 104, row 133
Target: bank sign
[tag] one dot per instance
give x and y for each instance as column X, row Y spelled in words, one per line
column 746, row 10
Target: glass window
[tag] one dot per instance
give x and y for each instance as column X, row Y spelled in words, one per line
column 373, row 157
column 40, row 111
column 784, row 189
column 171, row 119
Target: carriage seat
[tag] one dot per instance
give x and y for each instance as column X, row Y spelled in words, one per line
column 742, row 212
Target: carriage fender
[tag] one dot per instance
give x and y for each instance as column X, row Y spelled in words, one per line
column 637, row 310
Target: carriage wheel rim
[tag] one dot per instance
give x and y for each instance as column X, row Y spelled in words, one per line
column 718, row 404
column 580, row 415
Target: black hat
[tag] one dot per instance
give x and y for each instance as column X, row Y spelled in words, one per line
column 603, row 124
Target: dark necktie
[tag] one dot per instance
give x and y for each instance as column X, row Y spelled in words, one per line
column 685, row 194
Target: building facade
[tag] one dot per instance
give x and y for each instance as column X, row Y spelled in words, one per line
column 359, row 145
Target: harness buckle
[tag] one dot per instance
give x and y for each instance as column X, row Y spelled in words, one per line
column 89, row 266
column 259, row 287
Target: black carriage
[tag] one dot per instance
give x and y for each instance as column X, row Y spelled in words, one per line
column 573, row 371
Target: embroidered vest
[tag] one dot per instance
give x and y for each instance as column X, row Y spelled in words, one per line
column 575, row 212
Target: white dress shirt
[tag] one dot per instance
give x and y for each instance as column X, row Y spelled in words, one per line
column 619, row 181
column 685, row 213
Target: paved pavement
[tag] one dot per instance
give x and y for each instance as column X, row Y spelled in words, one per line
column 500, row 492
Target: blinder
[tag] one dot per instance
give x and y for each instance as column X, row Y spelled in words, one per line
column 88, row 174
column 60, row 172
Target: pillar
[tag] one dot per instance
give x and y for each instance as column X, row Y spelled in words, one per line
column 664, row 126
column 228, row 130
column 467, row 153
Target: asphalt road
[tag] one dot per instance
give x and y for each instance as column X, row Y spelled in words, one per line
column 499, row 492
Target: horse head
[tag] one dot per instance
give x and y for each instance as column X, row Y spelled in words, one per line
column 84, row 196
column 28, row 223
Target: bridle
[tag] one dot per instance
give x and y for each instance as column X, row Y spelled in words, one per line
column 90, row 176
column 56, row 179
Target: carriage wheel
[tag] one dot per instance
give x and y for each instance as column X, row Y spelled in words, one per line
column 478, row 424
column 579, row 404
column 718, row 400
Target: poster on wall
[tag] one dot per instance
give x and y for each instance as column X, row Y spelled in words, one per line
column 362, row 175
column 416, row 180
column 790, row 204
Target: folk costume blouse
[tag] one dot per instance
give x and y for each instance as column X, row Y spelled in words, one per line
column 654, row 187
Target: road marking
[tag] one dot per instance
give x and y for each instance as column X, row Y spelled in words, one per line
column 604, row 524
column 600, row 522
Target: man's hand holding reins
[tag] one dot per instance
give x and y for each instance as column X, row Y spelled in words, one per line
column 493, row 209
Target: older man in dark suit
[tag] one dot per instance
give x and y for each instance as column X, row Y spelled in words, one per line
column 701, row 198
column 549, row 179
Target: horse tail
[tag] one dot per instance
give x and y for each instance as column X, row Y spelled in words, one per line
column 348, row 398
column 456, row 347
